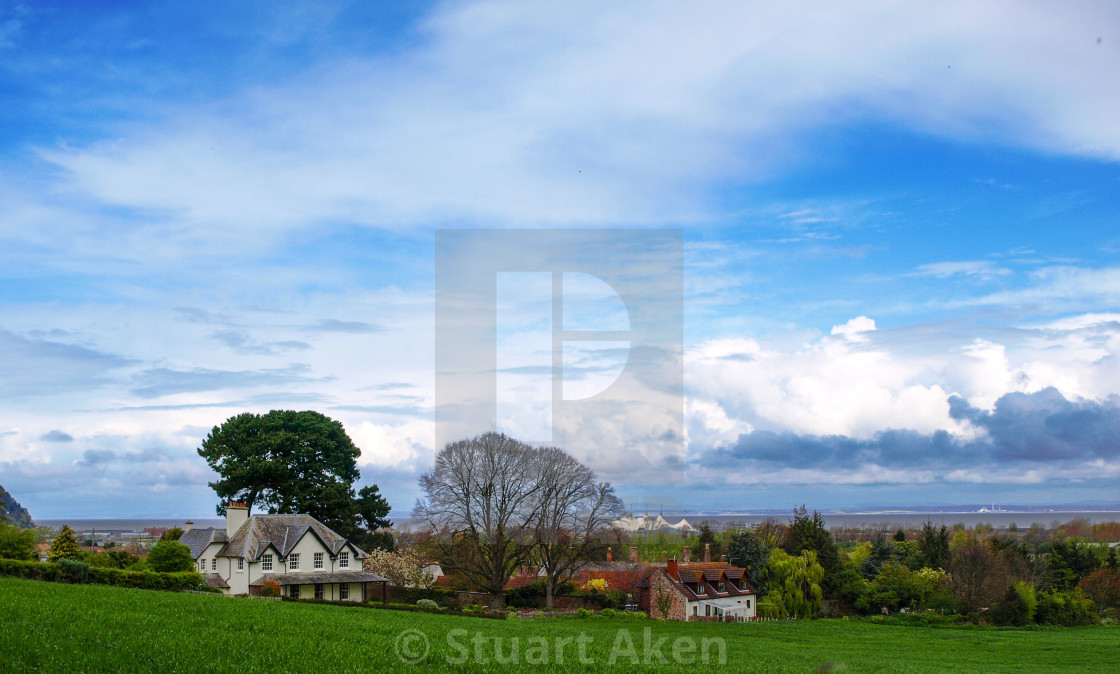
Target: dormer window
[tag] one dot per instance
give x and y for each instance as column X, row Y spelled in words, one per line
column 344, row 560
column 266, row 562
column 722, row 586
column 293, row 562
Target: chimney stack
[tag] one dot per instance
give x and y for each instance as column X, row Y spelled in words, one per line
column 673, row 570
column 634, row 554
column 723, row 558
column 610, row 555
column 707, row 553
column 686, row 555
column 187, row 526
column 236, row 515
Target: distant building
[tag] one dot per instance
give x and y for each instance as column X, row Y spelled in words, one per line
column 645, row 523
column 305, row 557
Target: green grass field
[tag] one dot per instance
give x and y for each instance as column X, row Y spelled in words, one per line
column 55, row 627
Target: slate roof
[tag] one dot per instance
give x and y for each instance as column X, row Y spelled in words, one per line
column 215, row 580
column 282, row 532
column 315, row 578
column 198, row 539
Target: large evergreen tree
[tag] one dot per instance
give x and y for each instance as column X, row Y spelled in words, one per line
column 808, row 532
column 293, row 462
column 65, row 546
column 747, row 551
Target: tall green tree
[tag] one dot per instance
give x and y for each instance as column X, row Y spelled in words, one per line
column 933, row 546
column 65, row 546
column 807, row 532
column 292, row 462
column 746, row 550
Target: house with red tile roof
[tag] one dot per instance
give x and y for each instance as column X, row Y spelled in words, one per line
column 697, row 591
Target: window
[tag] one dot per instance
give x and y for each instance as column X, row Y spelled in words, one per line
column 318, row 560
column 695, row 610
column 707, row 610
column 344, row 591
column 318, row 590
column 201, row 564
column 293, row 591
column 214, row 564
column 240, row 563
column 266, row 563
column 344, row 560
column 293, row 562
column 748, row 603
column 722, row 586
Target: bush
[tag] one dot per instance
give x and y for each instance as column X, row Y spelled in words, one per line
column 73, row 571
column 427, row 605
column 584, row 613
column 1068, row 609
column 528, row 596
column 170, row 556
column 270, row 588
column 1017, row 608
column 17, row 543
column 411, row 595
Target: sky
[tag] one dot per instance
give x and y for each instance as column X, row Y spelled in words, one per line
column 900, row 224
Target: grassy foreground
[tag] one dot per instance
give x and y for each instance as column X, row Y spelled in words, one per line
column 56, row 627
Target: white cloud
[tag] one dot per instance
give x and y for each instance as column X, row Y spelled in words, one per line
column 604, row 114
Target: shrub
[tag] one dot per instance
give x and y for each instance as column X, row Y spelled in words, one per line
column 16, row 543
column 1017, row 608
column 1068, row 609
column 73, row 571
column 270, row 588
column 170, row 556
column 427, row 605
column 609, row 613
column 584, row 613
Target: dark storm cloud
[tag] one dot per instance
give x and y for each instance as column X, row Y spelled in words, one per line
column 1044, row 426
column 1036, row 427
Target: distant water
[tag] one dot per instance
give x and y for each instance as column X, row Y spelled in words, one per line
column 127, row 525
column 863, row 520
column 914, row 520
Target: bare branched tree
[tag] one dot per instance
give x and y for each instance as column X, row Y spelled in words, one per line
column 482, row 496
column 574, row 510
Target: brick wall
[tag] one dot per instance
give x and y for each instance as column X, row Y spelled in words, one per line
column 660, row 584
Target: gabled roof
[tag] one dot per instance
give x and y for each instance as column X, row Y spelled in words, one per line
column 198, row 539
column 315, row 578
column 709, row 572
column 282, row 532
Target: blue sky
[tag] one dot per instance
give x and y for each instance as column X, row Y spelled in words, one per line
column 902, row 282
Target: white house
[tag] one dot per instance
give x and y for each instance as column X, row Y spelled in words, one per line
column 306, row 558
